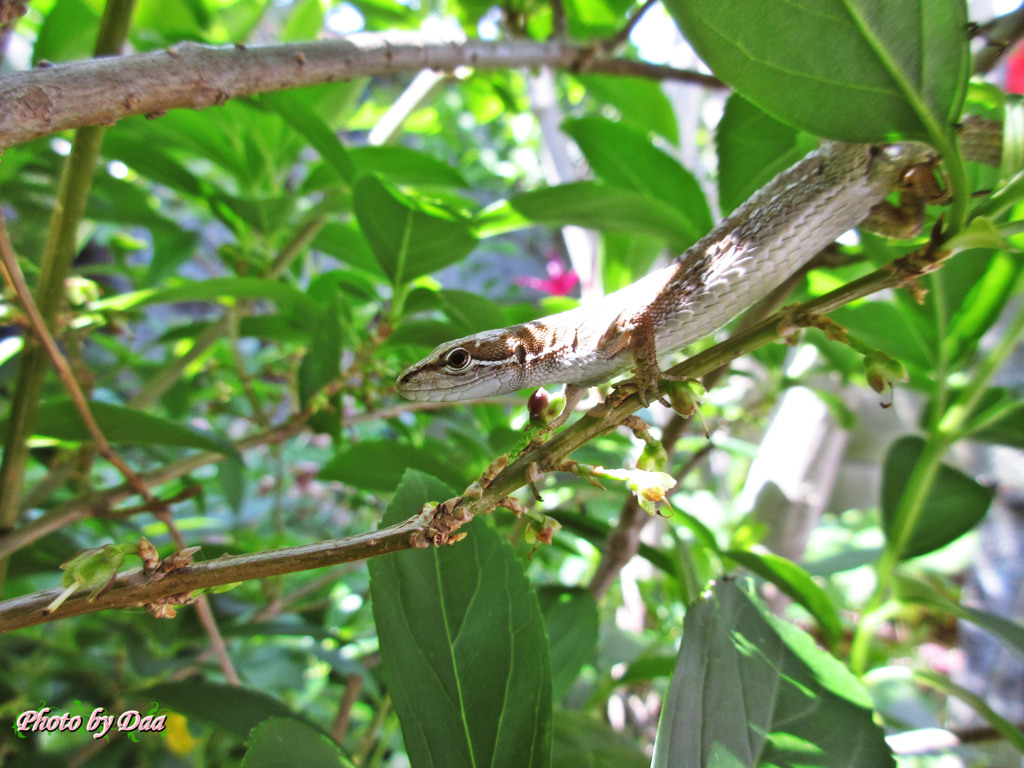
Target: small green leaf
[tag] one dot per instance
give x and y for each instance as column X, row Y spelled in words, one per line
column 955, row 502
column 293, row 109
column 401, row 165
column 1009, row 633
column 304, row 22
column 572, row 625
column 1002, row 413
column 795, row 582
column 231, row 476
column 229, row 708
column 379, row 465
column 408, row 238
column 226, row 289
column 854, row 70
column 67, row 33
column 752, row 148
column 583, row 740
column 320, row 366
column 640, row 102
column 61, row 421
column 606, row 208
column 749, row 690
column 463, row 645
column 281, row 741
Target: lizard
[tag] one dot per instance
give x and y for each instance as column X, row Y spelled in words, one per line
column 763, row 242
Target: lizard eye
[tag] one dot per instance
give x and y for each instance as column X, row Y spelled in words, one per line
column 457, row 359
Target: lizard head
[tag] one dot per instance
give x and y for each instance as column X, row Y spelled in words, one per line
column 482, row 365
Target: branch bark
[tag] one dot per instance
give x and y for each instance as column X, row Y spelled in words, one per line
column 133, row 589
column 192, row 76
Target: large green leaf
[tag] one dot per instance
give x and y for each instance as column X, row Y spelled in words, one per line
column 463, row 645
column 626, row 158
column 955, row 502
column 408, row 238
column 855, row 70
column 749, row 690
column 606, row 208
column 795, row 582
column 60, row 420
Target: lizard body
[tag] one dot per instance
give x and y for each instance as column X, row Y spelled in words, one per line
column 752, row 251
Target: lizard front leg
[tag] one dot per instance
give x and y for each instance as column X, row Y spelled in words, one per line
column 635, row 333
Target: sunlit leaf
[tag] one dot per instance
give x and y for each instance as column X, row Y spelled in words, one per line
column 855, row 70
column 750, row 691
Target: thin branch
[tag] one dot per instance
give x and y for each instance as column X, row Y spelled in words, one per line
column 54, row 267
column 191, row 76
column 558, row 20
column 133, row 589
column 17, row 280
column 612, row 43
column 1000, row 35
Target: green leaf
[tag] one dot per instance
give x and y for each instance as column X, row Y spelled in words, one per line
column 750, row 691
column 408, row 238
column 347, row 243
column 61, row 421
column 641, row 102
column 67, row 33
column 854, row 70
column 379, row 465
column 955, row 502
column 581, row 740
column 294, row 110
column 888, row 327
column 572, row 625
column 284, row 741
column 977, row 286
column 231, row 475
column 319, row 367
column 752, row 148
column 227, row 289
column 606, row 208
column 1009, row 633
column 795, row 582
column 152, row 162
column 626, row 158
column 228, row 708
column 1002, row 413
column 463, row 645
column 401, row 165
column 304, row 22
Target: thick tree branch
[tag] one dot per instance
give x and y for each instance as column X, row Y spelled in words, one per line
column 191, row 76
